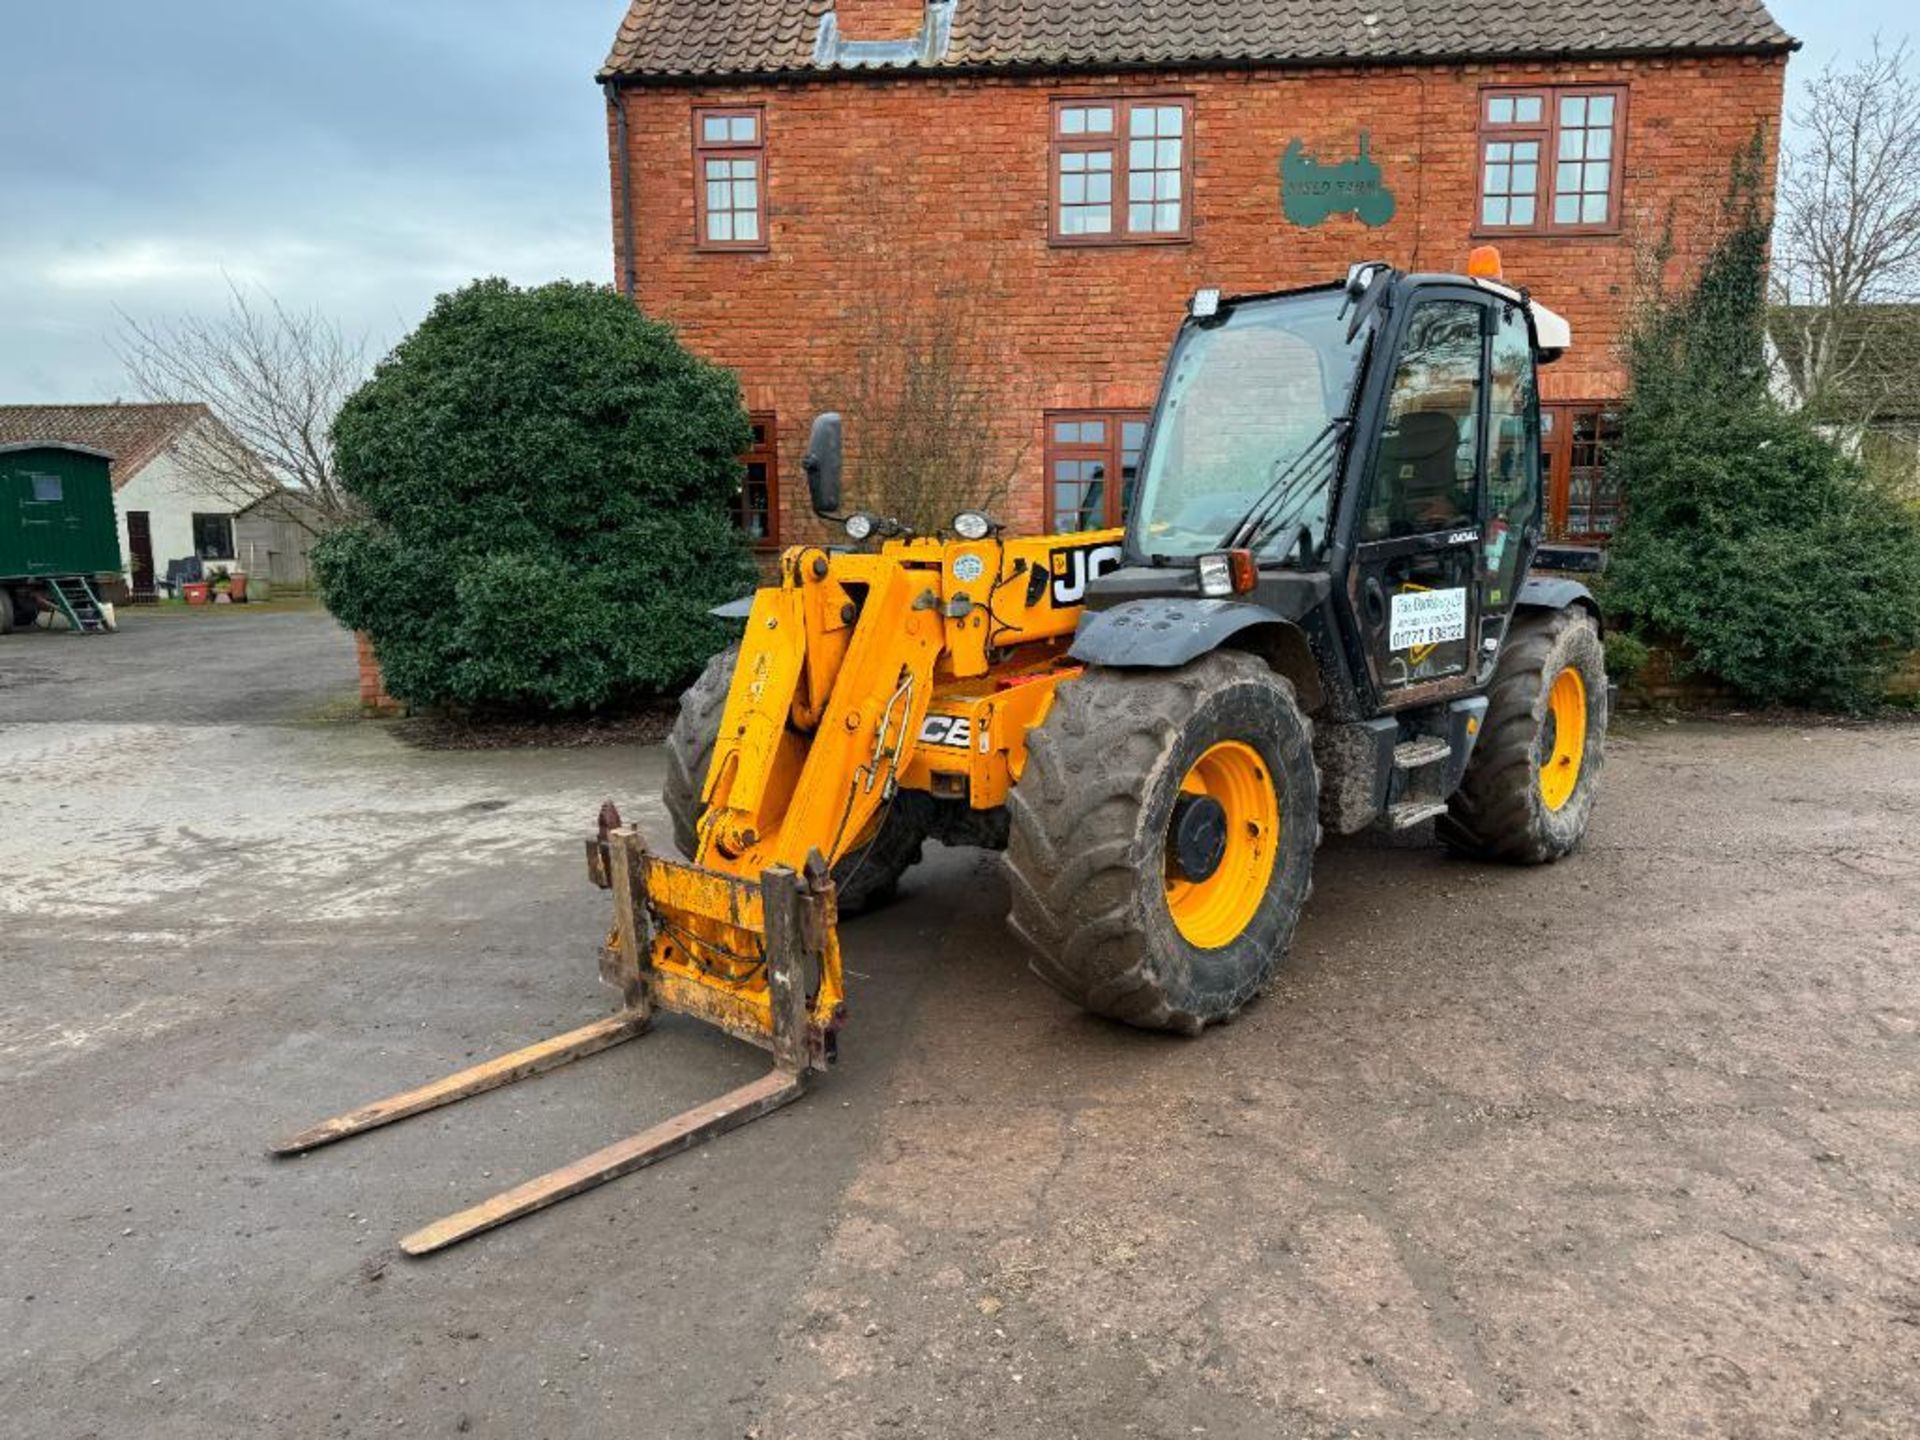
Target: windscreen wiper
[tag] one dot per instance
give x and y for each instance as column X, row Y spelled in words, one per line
column 1320, row 451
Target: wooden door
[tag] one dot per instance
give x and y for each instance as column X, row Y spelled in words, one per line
column 140, row 552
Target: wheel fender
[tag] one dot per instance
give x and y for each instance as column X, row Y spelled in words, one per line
column 1543, row 592
column 1164, row 632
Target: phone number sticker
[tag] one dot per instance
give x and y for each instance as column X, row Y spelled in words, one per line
column 1427, row 617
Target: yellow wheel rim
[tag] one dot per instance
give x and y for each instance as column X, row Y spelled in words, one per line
column 1564, row 745
column 1211, row 913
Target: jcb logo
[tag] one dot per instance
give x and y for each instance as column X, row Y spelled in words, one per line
column 1073, row 568
column 953, row 731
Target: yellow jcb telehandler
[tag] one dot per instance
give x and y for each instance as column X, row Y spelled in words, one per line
column 1321, row 612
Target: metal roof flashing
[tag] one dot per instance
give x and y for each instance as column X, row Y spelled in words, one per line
column 834, row 51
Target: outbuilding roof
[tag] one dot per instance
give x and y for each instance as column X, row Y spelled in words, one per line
column 131, row 434
column 705, row 39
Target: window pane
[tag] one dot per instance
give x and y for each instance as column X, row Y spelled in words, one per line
column 1172, row 118
column 1140, row 154
column 743, row 129
column 1593, row 209
column 1599, row 144
column 1526, row 109
column 746, row 169
column 1100, row 160
column 746, row 195
column 718, row 169
column 1600, row 110
column 1493, row 210
column 1527, row 151
column 1500, row 110
column 1073, row 122
column 1573, row 144
column 1499, row 151
column 1566, row 178
column 1140, row 121
column 48, row 489
column 1523, row 210
column 746, row 225
column 1140, row 185
column 1140, row 217
column 1566, row 209
column 1100, row 188
column 1133, row 434
column 1573, row 110
column 1595, row 175
column 720, row 225
column 1167, row 155
column 1427, row 463
column 1167, row 185
column 717, row 194
column 1498, row 179
column 1166, row 219
column 1073, row 162
column 1526, row 179
column 1073, row 189
column 713, row 129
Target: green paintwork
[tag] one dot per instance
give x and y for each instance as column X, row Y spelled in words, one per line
column 1310, row 191
column 77, row 534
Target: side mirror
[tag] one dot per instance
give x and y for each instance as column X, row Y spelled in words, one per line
column 822, row 464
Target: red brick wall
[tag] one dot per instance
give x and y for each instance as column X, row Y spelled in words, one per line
column 960, row 169
column 374, row 699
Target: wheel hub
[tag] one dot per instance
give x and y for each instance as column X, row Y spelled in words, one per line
column 1199, row 835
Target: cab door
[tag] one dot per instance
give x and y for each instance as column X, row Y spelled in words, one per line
column 1414, row 584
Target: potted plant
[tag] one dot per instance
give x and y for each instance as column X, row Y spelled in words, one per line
column 220, row 585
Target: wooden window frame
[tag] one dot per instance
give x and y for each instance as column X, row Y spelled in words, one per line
column 705, row 150
column 1556, row 458
column 1115, row 143
column 767, row 453
column 193, row 529
column 1111, row 452
column 1547, row 133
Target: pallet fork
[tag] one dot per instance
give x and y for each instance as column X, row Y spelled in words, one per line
column 759, row 960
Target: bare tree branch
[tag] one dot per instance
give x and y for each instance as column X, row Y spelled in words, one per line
column 932, row 428
column 273, row 379
column 1847, row 237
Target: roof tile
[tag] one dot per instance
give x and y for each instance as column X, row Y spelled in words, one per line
column 131, row 434
column 689, row 39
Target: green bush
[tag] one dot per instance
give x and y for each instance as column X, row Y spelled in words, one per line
column 1747, row 535
column 1627, row 656
column 544, row 476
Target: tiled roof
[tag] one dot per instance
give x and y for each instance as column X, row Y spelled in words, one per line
column 131, row 434
column 669, row 39
column 1877, row 346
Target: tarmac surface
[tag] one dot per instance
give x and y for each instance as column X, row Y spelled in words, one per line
column 1621, row 1147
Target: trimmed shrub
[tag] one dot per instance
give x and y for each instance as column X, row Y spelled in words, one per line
column 1746, row 535
column 1627, row 656
column 545, row 477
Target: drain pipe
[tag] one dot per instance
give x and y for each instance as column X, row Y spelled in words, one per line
column 623, row 167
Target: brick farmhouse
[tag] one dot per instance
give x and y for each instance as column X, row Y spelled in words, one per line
column 788, row 175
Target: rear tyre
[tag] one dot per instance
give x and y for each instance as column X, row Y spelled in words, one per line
column 1529, row 789
column 864, row 878
column 1161, row 839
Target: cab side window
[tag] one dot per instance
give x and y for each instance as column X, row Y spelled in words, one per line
column 1427, row 466
column 1513, row 455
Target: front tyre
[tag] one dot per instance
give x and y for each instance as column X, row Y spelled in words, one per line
column 1529, row 789
column 1161, row 839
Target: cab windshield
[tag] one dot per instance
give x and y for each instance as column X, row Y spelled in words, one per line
column 1248, row 431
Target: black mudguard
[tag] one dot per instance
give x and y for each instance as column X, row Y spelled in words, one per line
column 1551, row 592
column 1166, row 631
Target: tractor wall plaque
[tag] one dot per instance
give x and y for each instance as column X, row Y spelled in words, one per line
column 1311, row 191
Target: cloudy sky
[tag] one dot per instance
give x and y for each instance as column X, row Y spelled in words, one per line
column 358, row 155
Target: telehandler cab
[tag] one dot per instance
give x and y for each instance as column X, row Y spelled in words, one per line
column 1320, row 613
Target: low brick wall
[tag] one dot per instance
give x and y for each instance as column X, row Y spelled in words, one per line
column 374, row 699
column 1661, row 683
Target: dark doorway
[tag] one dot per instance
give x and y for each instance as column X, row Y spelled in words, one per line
column 140, row 553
